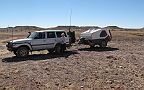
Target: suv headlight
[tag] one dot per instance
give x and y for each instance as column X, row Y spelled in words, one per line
column 14, row 44
column 9, row 43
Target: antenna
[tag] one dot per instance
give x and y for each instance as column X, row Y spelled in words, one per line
column 70, row 19
column 12, row 34
column 8, row 28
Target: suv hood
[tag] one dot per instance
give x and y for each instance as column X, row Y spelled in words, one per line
column 26, row 40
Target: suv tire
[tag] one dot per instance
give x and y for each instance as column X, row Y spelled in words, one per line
column 92, row 45
column 63, row 48
column 58, row 49
column 22, row 52
column 51, row 50
column 15, row 52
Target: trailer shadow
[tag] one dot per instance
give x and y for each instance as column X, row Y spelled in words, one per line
column 36, row 57
column 98, row 49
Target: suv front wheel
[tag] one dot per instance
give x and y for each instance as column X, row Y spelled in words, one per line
column 22, row 52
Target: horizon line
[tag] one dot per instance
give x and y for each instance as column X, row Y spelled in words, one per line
column 72, row 26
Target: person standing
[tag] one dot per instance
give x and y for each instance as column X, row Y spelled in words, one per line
column 63, row 43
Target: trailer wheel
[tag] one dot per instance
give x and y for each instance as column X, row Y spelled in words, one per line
column 103, row 44
column 92, row 46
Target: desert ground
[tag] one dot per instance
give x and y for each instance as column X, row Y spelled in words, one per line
column 120, row 66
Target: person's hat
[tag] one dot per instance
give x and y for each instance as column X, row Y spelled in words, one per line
column 62, row 34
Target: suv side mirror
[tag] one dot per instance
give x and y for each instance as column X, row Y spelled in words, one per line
column 29, row 33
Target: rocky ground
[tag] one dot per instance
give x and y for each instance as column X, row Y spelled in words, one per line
column 120, row 66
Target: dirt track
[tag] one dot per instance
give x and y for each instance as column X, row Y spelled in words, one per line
column 118, row 67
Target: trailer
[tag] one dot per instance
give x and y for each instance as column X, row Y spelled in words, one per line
column 94, row 37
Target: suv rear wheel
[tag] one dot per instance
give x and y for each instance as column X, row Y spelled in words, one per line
column 22, row 52
column 58, row 49
column 51, row 50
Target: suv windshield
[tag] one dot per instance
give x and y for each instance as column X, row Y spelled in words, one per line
column 32, row 35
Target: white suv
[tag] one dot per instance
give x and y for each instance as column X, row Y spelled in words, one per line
column 39, row 40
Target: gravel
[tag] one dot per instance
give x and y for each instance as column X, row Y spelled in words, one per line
column 117, row 67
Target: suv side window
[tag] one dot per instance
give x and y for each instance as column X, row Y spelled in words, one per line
column 103, row 34
column 59, row 34
column 50, row 34
column 40, row 35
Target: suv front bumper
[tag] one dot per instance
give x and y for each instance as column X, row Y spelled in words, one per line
column 10, row 47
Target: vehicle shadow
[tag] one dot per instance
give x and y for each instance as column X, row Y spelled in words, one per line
column 98, row 49
column 36, row 57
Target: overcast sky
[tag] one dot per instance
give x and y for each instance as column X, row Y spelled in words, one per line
column 48, row 13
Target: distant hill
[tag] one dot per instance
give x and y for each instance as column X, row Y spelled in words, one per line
column 113, row 27
column 89, row 27
column 35, row 28
column 21, row 28
column 64, row 27
column 27, row 28
column 32, row 28
column 142, row 28
column 74, row 27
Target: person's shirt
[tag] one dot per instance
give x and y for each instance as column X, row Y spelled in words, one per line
column 63, row 41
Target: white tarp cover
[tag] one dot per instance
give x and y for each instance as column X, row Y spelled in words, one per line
column 92, row 34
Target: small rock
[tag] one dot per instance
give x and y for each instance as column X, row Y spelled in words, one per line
column 136, row 75
column 82, row 86
column 83, row 79
column 111, row 57
column 142, row 75
column 6, row 77
column 47, row 69
column 120, row 66
column 70, row 83
column 37, row 82
column 57, row 84
column 119, row 87
column 16, row 71
column 106, row 71
column 112, row 86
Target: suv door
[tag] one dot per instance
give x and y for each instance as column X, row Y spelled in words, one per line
column 39, row 41
column 51, row 40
